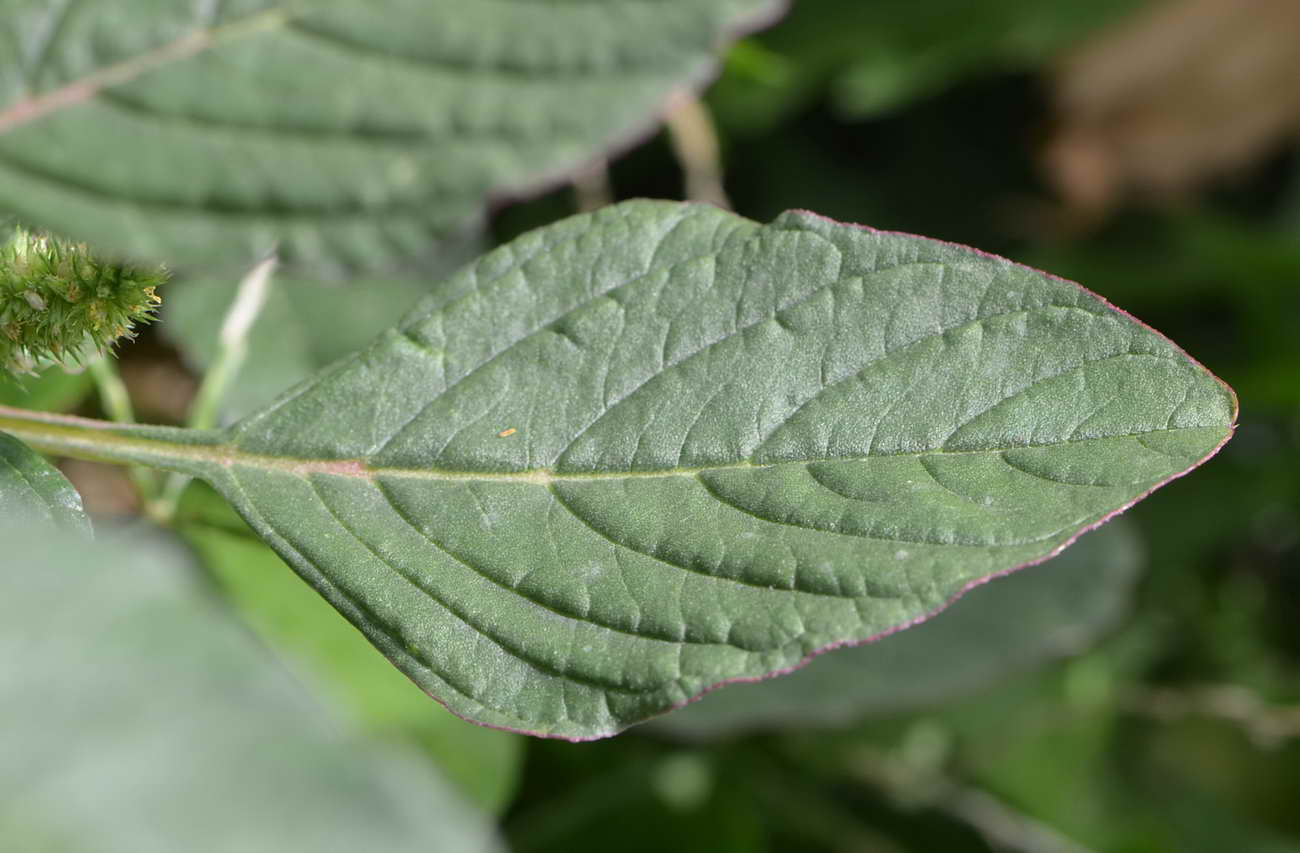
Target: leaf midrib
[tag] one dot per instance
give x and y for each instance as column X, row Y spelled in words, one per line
column 196, row 452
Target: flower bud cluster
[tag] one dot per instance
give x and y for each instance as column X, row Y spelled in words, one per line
column 59, row 303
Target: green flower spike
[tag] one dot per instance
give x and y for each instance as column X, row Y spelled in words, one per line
column 60, row 303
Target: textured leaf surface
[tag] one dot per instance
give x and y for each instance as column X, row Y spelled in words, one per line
column 353, row 132
column 135, row 716
column 1006, row 626
column 32, row 490
column 290, row 616
column 639, row 453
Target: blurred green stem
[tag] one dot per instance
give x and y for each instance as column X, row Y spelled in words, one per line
column 591, row 187
column 1268, row 726
column 918, row 786
column 113, row 395
column 116, row 402
column 694, row 140
column 206, row 409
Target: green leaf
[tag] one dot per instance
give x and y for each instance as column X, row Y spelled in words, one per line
column 54, row 390
column 483, row 763
column 34, row 491
column 640, row 453
column 135, row 716
column 350, row 133
column 1006, row 626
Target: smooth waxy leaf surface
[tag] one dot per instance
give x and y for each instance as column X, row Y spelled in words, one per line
column 136, row 716
column 348, row 132
column 639, row 453
column 34, row 491
column 1006, row 626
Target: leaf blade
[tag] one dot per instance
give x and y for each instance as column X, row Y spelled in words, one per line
column 765, row 471
column 647, row 451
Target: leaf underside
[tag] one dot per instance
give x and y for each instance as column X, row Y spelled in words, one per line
column 1001, row 628
column 348, row 133
column 642, row 452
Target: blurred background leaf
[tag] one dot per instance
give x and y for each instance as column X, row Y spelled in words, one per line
column 866, row 59
column 351, row 136
column 54, row 390
column 137, row 717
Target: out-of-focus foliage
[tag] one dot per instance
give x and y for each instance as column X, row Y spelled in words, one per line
column 53, row 390
column 148, row 721
column 351, row 135
column 867, row 59
column 1192, row 90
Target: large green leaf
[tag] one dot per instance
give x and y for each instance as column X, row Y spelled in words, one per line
column 1001, row 628
column 135, row 716
column 639, row 453
column 33, row 491
column 350, row 132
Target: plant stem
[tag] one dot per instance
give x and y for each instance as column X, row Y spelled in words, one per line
column 244, row 310
column 591, row 187
column 169, row 448
column 1268, row 726
column 113, row 395
column 116, row 400
column 695, row 142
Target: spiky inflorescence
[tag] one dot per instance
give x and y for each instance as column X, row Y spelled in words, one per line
column 60, row 303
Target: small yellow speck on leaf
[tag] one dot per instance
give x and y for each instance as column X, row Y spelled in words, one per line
column 506, row 433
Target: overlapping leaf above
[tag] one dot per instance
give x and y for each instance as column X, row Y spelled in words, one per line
column 637, row 454
column 349, row 133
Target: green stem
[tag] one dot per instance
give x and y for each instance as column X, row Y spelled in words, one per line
column 591, row 187
column 185, row 451
column 116, row 400
column 249, row 300
column 112, row 390
column 694, row 140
